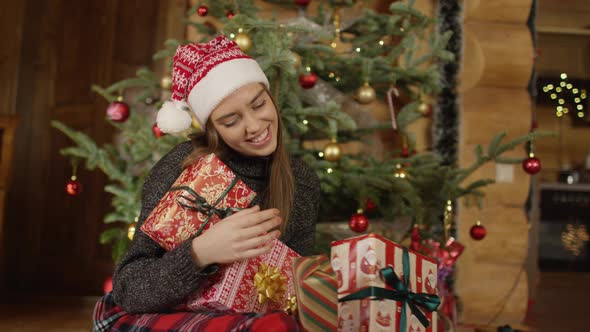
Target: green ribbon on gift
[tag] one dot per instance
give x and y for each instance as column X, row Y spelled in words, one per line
column 402, row 293
column 201, row 205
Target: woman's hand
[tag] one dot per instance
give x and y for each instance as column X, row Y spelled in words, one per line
column 243, row 235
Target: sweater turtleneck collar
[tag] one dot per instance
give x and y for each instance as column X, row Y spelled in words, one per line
column 249, row 167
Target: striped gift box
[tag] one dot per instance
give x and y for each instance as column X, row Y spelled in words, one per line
column 315, row 286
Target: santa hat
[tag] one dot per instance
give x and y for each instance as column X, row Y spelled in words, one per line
column 203, row 75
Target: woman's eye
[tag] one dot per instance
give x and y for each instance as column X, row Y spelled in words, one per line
column 229, row 124
column 259, row 105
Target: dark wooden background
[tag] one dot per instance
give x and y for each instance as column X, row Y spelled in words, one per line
column 53, row 51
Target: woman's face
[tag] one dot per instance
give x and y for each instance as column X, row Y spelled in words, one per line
column 247, row 121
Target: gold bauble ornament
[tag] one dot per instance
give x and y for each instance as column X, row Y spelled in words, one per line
column 296, row 58
column 243, row 41
column 332, row 151
column 422, row 107
column 131, row 231
column 166, row 82
column 366, row 94
column 400, row 172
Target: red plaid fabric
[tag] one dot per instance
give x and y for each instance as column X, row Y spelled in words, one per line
column 108, row 317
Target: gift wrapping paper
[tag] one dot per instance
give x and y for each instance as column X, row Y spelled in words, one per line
column 315, row 286
column 357, row 263
column 170, row 224
column 233, row 286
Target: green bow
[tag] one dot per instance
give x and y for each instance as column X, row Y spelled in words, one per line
column 402, row 293
column 201, row 205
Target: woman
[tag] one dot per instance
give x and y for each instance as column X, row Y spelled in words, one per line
column 228, row 94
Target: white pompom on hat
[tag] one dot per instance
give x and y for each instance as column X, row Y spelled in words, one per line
column 203, row 75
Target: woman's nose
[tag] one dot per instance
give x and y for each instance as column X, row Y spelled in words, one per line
column 252, row 124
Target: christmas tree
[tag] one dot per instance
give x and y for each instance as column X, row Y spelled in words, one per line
column 326, row 71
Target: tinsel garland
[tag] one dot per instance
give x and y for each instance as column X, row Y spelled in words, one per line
column 445, row 128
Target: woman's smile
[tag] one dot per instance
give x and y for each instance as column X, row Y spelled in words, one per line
column 261, row 139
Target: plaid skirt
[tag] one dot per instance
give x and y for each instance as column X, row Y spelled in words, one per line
column 110, row 317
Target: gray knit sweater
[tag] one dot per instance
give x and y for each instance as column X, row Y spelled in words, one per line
column 149, row 279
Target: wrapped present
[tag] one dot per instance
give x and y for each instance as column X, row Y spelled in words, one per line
column 315, row 286
column 255, row 285
column 446, row 258
column 204, row 193
column 383, row 286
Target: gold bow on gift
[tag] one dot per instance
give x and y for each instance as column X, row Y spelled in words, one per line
column 291, row 305
column 270, row 283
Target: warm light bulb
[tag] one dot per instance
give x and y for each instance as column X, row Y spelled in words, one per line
column 580, row 114
column 329, row 170
column 321, row 154
column 563, row 76
column 580, row 107
column 305, row 122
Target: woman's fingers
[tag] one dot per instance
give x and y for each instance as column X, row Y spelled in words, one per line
column 261, row 240
column 251, row 253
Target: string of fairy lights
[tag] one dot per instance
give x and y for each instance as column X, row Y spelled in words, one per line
column 566, row 95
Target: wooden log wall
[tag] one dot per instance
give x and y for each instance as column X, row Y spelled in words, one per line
column 497, row 62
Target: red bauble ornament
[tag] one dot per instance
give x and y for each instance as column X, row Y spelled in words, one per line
column 203, row 10
column 358, row 222
column 307, row 81
column 416, row 239
column 477, row 231
column 107, row 285
column 229, row 14
column 157, row 131
column 302, row 2
column 73, row 187
column 405, row 152
column 531, row 165
column 370, row 206
column 118, row 111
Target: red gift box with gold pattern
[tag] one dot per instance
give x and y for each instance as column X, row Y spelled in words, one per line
column 357, row 263
column 197, row 196
column 234, row 286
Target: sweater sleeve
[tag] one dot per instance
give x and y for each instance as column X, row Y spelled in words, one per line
column 303, row 217
column 148, row 278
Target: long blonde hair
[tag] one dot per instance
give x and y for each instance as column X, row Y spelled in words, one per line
column 281, row 184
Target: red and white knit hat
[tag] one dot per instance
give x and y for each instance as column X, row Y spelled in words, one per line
column 203, row 75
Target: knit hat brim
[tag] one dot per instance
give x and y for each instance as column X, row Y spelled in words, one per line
column 221, row 81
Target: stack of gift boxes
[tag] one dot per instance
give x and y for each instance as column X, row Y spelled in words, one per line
column 203, row 194
column 367, row 284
